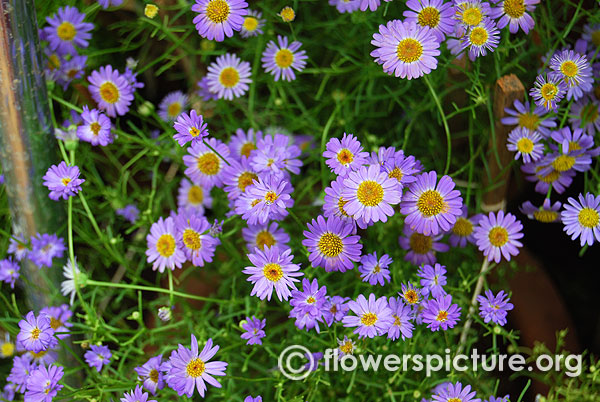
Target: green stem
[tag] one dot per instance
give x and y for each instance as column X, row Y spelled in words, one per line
column 444, row 121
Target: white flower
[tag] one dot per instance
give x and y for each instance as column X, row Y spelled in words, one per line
column 73, row 275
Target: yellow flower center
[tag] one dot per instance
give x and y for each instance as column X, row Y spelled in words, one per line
column 463, row 227
column 153, row 375
column 420, row 244
column 397, row 321
column 514, row 8
column 217, row 11
column 54, row 323
column 66, row 31
column 345, row 157
column 431, row 203
column 347, row 347
column 284, row 58
column 174, row 109
column 287, row 14
column 429, row 17
column 38, row 354
column 35, row 333
column 545, row 216
column 409, row 50
column 195, row 368
column 250, row 23
column 165, row 245
column 377, row 269
column 310, row 300
column 53, row 62
column 109, row 92
column 369, row 193
column 330, row 244
column 271, row 197
column 472, row 16
column 150, row 10
column 273, row 272
column 529, row 120
column 229, row 77
column 589, row 114
column 246, row 179
column 194, row 132
column 525, row 145
column 455, row 400
column 368, row 319
column 265, row 238
column 588, row 217
column 442, row 316
column 411, row 296
column 478, row 36
column 209, row 164
column 569, row 69
column 95, row 128
column 7, row 349
column 65, row 181
column 191, row 239
column 71, row 73
column 563, row 163
column 195, row 195
column 396, row 173
column 247, row 148
column 341, row 203
column 498, row 236
column 548, row 92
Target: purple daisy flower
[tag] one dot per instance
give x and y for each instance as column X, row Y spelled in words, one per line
column 98, row 356
column 237, row 176
column 151, row 374
column 431, row 207
column 533, row 120
column 374, row 270
column 96, row 127
column 36, row 334
column 172, row 106
column 129, row 212
column 346, row 346
column 402, row 314
column 582, row 219
column 112, row 91
column 494, row 308
column 9, row 271
column 243, row 143
column 275, row 154
column 585, row 114
column 345, row 156
column 370, row 193
column 308, row 305
column 67, row 30
column 136, row 395
column 411, row 294
column 433, row 14
column 70, row 70
column 548, row 91
column 560, row 181
column 265, row 235
column 331, row 244
column 383, row 155
column 254, row 330
column 274, row 199
column 250, row 398
column 451, row 392
column 190, row 369
column 45, row 247
column 281, row 59
column 162, row 247
column 373, row 317
column 515, row 15
column 205, row 166
column 574, row 69
column 193, row 198
column 462, row 231
column 576, row 142
column 59, row 319
column 193, row 238
column 497, row 236
column 334, row 203
column 469, row 14
column 422, row 248
column 131, row 77
column 526, row 144
column 370, row 4
column 441, row 313
column 547, row 213
column 563, row 162
column 8, row 392
column 228, row 76
column 405, row 49
column 272, row 269
column 402, row 168
column 42, row 384
column 204, row 91
column 219, row 18
column 253, row 24
column 21, row 369
column 63, row 181
column 17, row 246
column 345, row 6
column 334, row 309
column 505, row 398
column 481, row 39
column 433, row 280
